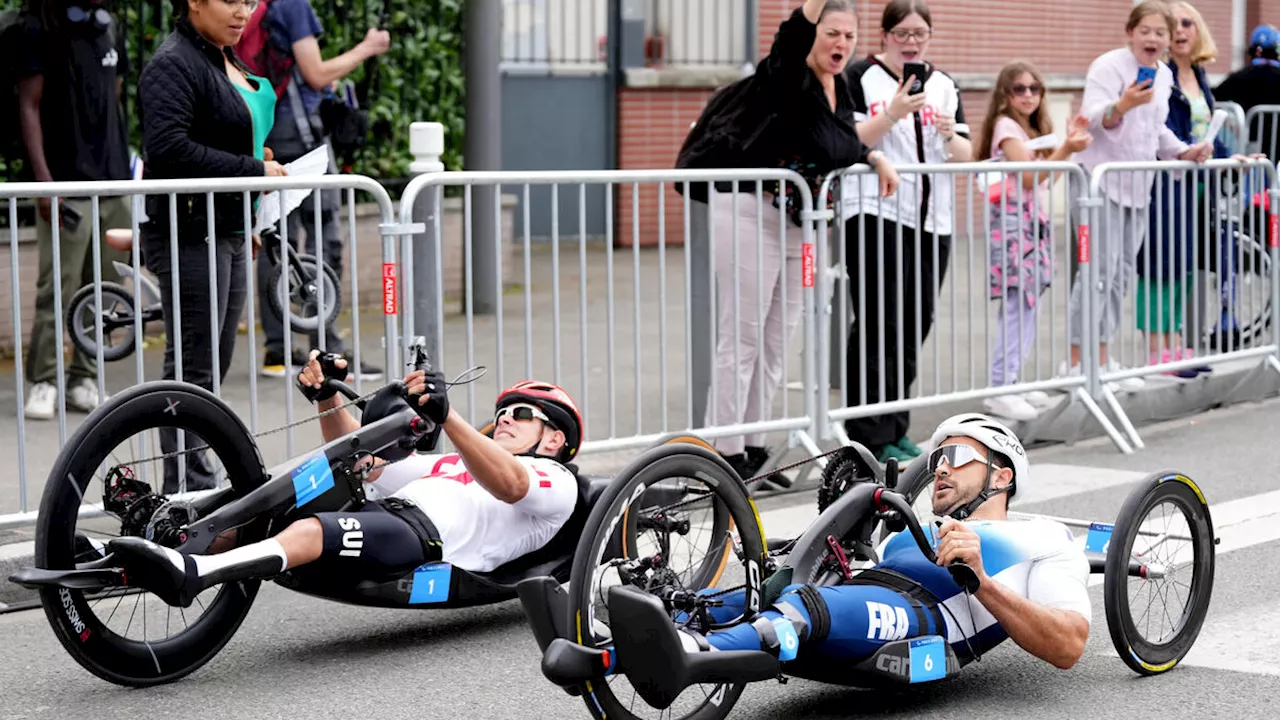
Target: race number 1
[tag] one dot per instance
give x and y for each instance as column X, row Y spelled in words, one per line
column 928, row 659
column 311, row 479
column 431, row 584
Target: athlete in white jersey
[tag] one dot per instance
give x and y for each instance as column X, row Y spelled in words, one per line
column 494, row 500
column 1032, row 576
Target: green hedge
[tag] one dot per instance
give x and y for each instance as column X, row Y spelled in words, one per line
column 420, row 79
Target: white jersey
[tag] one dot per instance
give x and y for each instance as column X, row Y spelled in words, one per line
column 478, row 531
column 1036, row 559
column 913, row 139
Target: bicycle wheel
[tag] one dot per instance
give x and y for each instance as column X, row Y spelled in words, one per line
column 62, row 534
column 300, row 293
column 677, row 489
column 119, row 337
column 1156, row 553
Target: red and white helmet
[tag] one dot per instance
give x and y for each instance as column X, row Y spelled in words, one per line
column 556, row 403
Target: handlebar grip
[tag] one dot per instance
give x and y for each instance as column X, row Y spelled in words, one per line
column 334, row 378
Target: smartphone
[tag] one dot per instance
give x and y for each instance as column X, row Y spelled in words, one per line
column 71, row 217
column 919, row 71
column 1145, row 74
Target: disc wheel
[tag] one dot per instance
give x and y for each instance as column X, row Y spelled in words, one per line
column 119, row 336
column 676, row 519
column 98, row 628
column 1161, row 550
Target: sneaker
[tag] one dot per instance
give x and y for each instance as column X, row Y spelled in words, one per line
column 1037, row 398
column 1010, row 407
column 367, row 371
column 1167, row 357
column 756, row 458
column 893, row 451
column 273, row 363
column 83, row 396
column 1131, row 384
column 1187, row 354
column 909, row 448
column 42, row 402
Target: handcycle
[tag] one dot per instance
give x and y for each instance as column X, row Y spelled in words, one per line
column 859, row 505
column 79, row 583
column 295, row 283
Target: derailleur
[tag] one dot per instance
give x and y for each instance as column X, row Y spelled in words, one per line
column 130, row 500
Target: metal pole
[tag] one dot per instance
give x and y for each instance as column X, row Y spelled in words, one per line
column 702, row 325
column 426, row 143
column 482, row 148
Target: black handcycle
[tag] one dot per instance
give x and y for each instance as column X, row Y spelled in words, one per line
column 640, row 665
column 84, row 592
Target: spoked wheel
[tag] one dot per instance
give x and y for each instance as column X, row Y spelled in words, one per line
column 108, row 482
column 676, row 523
column 299, row 289
column 119, row 337
column 1159, row 573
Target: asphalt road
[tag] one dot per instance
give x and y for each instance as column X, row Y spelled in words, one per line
column 298, row 657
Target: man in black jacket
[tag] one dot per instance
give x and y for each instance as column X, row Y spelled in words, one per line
column 72, row 61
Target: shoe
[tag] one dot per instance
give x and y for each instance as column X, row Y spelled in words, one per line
column 273, row 363
column 893, row 451
column 83, row 396
column 1131, row 384
column 366, row 372
column 166, row 573
column 1037, row 398
column 42, row 402
column 1011, row 407
column 756, row 458
column 909, row 448
column 1167, row 357
column 738, row 461
column 1187, row 354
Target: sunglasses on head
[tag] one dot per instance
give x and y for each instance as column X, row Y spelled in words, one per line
column 522, row 412
column 957, row 456
column 1033, row 89
column 1187, row 23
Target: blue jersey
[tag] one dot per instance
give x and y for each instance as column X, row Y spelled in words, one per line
column 1036, row 559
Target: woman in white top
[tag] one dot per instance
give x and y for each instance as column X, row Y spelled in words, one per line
column 920, row 121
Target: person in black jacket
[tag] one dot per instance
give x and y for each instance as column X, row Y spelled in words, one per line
column 203, row 115
column 798, row 114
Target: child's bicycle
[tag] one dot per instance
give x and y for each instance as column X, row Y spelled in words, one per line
column 294, row 285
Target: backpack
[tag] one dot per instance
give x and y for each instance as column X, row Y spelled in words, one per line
column 262, row 57
column 728, row 133
column 11, row 147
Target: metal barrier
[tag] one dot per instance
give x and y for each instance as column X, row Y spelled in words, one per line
column 93, row 326
column 899, row 276
column 1201, row 216
column 1234, row 133
column 547, row 343
column 1263, row 131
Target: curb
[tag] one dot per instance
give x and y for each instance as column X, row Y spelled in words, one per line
column 13, row 557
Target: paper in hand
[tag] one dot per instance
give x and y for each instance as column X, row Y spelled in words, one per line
column 313, row 163
column 1215, row 125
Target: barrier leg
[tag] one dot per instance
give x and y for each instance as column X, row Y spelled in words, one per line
column 1273, row 363
column 1121, row 444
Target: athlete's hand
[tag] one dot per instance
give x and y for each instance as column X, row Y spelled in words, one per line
column 429, row 391
column 957, row 542
column 319, row 367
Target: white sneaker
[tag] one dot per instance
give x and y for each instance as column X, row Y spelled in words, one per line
column 83, row 396
column 1037, row 398
column 1012, row 407
column 42, row 402
column 1130, row 384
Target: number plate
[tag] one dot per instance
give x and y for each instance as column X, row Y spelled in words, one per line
column 311, row 479
column 431, row 584
column 1099, row 538
column 928, row 659
column 788, row 641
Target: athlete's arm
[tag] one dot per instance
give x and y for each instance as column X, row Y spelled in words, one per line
column 497, row 470
column 1055, row 636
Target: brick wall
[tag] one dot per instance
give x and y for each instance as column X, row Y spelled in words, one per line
column 972, row 39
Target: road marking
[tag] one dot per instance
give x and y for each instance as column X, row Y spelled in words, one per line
column 1230, row 641
column 1051, row 481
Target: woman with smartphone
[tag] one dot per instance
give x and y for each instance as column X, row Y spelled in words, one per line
column 910, row 110
column 1126, row 99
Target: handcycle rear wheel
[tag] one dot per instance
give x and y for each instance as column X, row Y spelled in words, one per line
column 623, row 510
column 83, row 316
column 87, row 637
column 1144, row 655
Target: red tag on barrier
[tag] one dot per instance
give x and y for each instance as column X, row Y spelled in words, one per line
column 807, row 250
column 1083, row 240
column 1274, row 239
column 388, row 288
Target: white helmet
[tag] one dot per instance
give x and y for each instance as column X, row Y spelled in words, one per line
column 991, row 433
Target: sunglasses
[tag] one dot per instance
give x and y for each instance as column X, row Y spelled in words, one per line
column 1033, row 89
column 957, row 456
column 1187, row 23
column 522, row 412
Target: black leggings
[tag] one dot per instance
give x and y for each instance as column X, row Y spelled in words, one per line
column 373, row 541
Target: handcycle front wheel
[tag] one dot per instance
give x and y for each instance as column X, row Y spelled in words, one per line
column 84, row 314
column 90, row 638
column 658, row 491
column 1170, row 555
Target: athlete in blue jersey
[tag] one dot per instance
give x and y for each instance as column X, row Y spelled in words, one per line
column 1033, row 576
